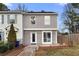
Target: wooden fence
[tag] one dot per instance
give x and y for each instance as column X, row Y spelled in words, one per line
column 68, row 39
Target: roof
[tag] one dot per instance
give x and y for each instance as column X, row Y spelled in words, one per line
column 11, row 12
column 41, row 11
column 29, row 12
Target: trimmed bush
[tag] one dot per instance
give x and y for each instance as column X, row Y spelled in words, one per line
column 3, row 48
column 11, row 46
column 1, row 43
column 12, row 35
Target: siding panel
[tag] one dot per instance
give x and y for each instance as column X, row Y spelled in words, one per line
column 39, row 21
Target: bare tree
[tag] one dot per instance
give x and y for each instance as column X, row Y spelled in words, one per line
column 21, row 7
column 69, row 18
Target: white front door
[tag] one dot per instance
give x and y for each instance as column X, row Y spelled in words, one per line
column 34, row 37
column 47, row 37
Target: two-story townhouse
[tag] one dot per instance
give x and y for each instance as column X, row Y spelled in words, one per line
column 35, row 28
column 6, row 17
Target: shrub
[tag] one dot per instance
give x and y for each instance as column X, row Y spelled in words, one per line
column 3, row 48
column 12, row 34
column 11, row 46
column 1, row 43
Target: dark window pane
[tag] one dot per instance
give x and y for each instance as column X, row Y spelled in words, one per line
column 0, row 36
column 48, row 37
column 45, row 37
column 33, row 37
column 2, row 19
column 33, row 19
column 48, row 34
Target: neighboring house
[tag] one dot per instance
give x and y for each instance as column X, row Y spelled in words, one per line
column 34, row 28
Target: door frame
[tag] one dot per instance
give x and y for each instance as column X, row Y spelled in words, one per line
column 43, row 37
column 35, row 37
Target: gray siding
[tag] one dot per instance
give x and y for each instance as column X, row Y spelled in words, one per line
column 39, row 21
column 27, row 41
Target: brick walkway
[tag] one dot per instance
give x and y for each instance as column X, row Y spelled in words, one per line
column 21, row 51
column 13, row 52
column 28, row 51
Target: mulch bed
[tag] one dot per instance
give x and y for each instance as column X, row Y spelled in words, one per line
column 60, row 46
column 13, row 52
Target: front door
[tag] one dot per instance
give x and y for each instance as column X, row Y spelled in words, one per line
column 33, row 37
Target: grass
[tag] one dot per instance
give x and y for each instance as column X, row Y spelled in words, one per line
column 68, row 51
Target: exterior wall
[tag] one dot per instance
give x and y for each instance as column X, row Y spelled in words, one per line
column 19, row 25
column 26, row 37
column 23, row 22
column 39, row 22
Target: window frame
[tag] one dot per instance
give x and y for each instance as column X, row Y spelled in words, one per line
column 43, row 37
column 47, row 21
column 35, row 37
column 9, row 19
column 2, row 19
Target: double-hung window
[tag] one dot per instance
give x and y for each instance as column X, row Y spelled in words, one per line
column 47, row 20
column 47, row 37
column 2, row 19
column 12, row 18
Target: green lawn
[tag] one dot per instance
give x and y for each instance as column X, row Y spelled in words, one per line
column 68, row 51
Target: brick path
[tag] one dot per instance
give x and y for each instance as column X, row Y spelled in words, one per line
column 28, row 51
column 13, row 52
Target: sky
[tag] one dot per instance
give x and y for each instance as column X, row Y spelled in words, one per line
column 54, row 7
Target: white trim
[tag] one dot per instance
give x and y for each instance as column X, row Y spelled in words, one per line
column 56, row 37
column 41, row 13
column 43, row 37
column 35, row 37
column 40, row 28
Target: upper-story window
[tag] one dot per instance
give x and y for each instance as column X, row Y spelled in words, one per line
column 2, row 19
column 12, row 18
column 33, row 19
column 47, row 20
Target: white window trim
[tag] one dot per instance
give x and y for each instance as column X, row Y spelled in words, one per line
column 35, row 37
column 43, row 38
column 56, row 37
column 46, row 22
column 40, row 28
